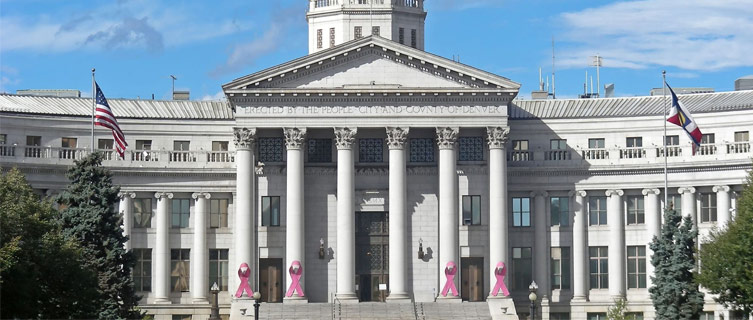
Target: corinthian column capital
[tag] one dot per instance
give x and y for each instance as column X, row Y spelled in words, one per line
column 447, row 137
column 396, row 137
column 294, row 137
column 497, row 137
column 344, row 137
column 244, row 138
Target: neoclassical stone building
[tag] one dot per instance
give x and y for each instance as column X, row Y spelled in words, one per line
column 367, row 169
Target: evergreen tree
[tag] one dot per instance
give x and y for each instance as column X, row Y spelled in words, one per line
column 91, row 220
column 675, row 294
column 41, row 274
column 727, row 259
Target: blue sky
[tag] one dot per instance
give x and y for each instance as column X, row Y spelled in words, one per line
column 136, row 45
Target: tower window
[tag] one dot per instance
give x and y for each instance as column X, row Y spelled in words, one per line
column 413, row 38
column 401, row 33
column 375, row 31
column 358, row 32
column 318, row 38
column 331, row 37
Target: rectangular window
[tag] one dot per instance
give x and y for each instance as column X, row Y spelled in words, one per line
column 3, row 138
column 218, row 268
column 68, row 142
column 181, row 145
column 558, row 144
column 673, row 140
column 219, row 152
column 471, row 148
column 180, row 213
column 741, row 144
column 598, row 267
column 9, row 151
column 597, row 211
column 142, row 213
column 742, row 136
column 633, row 148
column 375, row 30
column 634, row 142
column 596, row 143
column 320, row 150
column 143, row 144
column 559, row 316
column 318, row 38
column 180, row 151
column 635, row 212
column 370, row 150
column 521, row 212
column 142, row 271
column 401, row 35
column 331, row 37
column 218, row 213
column 708, row 315
column 560, row 268
column 675, row 202
column 357, row 32
column 270, row 149
column 520, row 151
column 707, row 145
column 270, row 211
column 634, row 316
column 596, row 316
column 708, row 138
column 33, row 141
column 708, row 207
column 422, row 150
column 180, row 267
column 105, row 144
column 559, row 207
column 413, row 40
column 219, row 146
column 636, row 268
column 471, row 210
column 521, row 268
column 181, row 317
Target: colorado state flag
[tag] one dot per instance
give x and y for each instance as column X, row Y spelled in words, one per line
column 680, row 116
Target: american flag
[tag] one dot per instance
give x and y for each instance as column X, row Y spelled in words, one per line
column 105, row 118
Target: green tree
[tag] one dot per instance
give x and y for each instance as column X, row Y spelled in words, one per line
column 618, row 310
column 675, row 293
column 91, row 220
column 727, row 259
column 41, row 274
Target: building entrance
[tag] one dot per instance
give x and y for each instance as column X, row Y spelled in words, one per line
column 372, row 252
column 472, row 276
column 270, row 279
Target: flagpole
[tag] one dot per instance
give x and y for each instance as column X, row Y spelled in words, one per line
column 94, row 108
column 664, row 120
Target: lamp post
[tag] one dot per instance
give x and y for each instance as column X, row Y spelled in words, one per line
column 215, row 313
column 532, row 296
column 257, row 303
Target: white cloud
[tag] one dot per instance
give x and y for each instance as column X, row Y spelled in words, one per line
column 8, row 76
column 141, row 24
column 215, row 97
column 461, row 4
column 693, row 35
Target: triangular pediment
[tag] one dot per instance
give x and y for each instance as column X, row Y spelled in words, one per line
column 371, row 63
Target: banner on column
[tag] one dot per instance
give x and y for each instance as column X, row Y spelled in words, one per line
column 244, row 272
column 449, row 271
column 295, row 271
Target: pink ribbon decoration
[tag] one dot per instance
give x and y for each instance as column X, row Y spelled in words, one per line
column 499, row 272
column 450, row 272
column 244, row 275
column 295, row 270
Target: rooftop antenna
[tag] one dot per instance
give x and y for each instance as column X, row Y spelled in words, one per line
column 554, row 87
column 585, row 85
column 596, row 62
column 541, row 81
column 174, row 78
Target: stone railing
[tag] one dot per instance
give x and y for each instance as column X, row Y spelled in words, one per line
column 132, row 158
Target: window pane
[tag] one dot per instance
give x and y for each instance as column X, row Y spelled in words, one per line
column 422, row 150
column 476, row 209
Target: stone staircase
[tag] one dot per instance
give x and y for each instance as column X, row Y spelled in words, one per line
column 375, row 310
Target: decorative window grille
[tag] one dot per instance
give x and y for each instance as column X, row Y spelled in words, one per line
column 320, row 150
column 413, row 38
column 331, row 37
column 370, row 150
column 358, row 32
column 422, row 150
column 318, row 38
column 401, row 33
column 471, row 148
column 270, row 149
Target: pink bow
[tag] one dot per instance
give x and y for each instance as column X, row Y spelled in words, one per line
column 244, row 275
column 499, row 272
column 450, row 272
column 295, row 271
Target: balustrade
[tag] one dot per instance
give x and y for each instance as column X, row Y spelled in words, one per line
column 595, row 154
column 520, row 156
column 672, row 151
column 557, row 155
column 632, row 153
column 738, row 147
column 7, row 151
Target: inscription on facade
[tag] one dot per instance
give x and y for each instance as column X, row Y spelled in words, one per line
column 370, row 110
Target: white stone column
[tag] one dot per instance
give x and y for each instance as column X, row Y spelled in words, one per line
column 398, row 241
column 616, row 251
column 580, row 246
column 653, row 223
column 722, row 205
column 295, row 231
column 345, row 256
column 540, row 248
column 497, row 138
column 688, row 203
column 199, row 251
column 161, row 270
column 448, row 207
column 244, row 229
column 126, row 211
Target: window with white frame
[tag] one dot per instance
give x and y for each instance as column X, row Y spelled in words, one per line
column 597, row 211
column 635, row 210
column 560, row 267
column 559, row 209
column 521, row 212
column 708, row 207
column 636, row 267
column 598, row 267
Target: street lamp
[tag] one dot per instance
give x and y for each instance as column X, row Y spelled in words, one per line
column 532, row 296
column 215, row 313
column 257, row 299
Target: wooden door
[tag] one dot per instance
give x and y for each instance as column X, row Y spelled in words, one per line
column 270, row 279
column 472, row 279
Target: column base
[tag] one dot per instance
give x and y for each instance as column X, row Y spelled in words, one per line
column 398, row 297
column 349, row 297
column 449, row 299
column 579, row 299
column 295, row 300
column 200, row 301
column 162, row 301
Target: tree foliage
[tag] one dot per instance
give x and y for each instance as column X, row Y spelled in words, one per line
column 91, row 220
column 618, row 310
column 675, row 293
column 727, row 259
column 42, row 275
